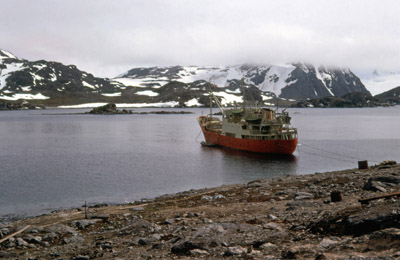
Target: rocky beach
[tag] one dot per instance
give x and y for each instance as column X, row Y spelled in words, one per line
column 349, row 214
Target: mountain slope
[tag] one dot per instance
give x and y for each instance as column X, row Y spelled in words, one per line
column 45, row 80
column 390, row 96
column 296, row 81
column 54, row 84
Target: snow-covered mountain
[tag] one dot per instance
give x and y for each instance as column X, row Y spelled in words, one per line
column 46, row 80
column 53, row 83
column 295, row 81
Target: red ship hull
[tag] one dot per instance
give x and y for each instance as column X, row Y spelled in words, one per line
column 258, row 146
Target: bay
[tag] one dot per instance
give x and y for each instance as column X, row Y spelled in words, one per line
column 51, row 161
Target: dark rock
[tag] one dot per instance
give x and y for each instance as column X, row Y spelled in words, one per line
column 7, row 254
column 103, row 217
column 336, row 196
column 60, row 229
column 33, row 239
column 320, row 257
column 288, row 254
column 73, row 240
column 84, row 223
column 80, row 257
column 184, row 247
column 149, row 240
column 379, row 183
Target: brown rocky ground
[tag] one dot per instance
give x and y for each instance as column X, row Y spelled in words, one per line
column 291, row 217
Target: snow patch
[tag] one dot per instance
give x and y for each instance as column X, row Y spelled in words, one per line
column 123, row 105
column 7, row 54
column 141, row 82
column 25, row 89
column 36, row 77
column 116, row 94
column 228, row 98
column 277, row 76
column 147, row 93
column 193, row 102
column 5, row 73
column 236, row 91
column 323, row 77
column 24, row 96
column 53, row 77
column 85, row 84
column 39, row 66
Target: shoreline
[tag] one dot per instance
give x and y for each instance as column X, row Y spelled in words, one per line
column 291, row 217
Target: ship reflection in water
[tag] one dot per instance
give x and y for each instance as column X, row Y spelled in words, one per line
column 233, row 165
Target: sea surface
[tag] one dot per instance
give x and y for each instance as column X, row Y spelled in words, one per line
column 57, row 158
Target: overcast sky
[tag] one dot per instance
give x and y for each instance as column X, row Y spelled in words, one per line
column 108, row 37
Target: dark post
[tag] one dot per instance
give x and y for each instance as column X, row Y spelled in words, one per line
column 86, row 210
column 336, row 196
column 362, row 165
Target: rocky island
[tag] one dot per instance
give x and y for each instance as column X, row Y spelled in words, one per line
column 349, row 214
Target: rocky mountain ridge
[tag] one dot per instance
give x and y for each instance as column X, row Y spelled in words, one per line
column 53, row 83
column 290, row 81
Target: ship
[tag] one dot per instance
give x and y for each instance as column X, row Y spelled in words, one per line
column 258, row 129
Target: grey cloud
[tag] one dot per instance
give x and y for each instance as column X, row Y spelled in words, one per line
column 105, row 37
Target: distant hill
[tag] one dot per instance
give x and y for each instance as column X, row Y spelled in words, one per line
column 52, row 84
column 391, row 96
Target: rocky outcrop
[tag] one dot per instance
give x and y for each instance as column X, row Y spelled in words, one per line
column 109, row 109
column 19, row 106
column 391, row 96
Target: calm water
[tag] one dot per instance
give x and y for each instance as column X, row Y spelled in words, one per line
column 55, row 161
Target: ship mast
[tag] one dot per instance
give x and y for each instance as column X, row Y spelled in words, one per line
column 215, row 98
